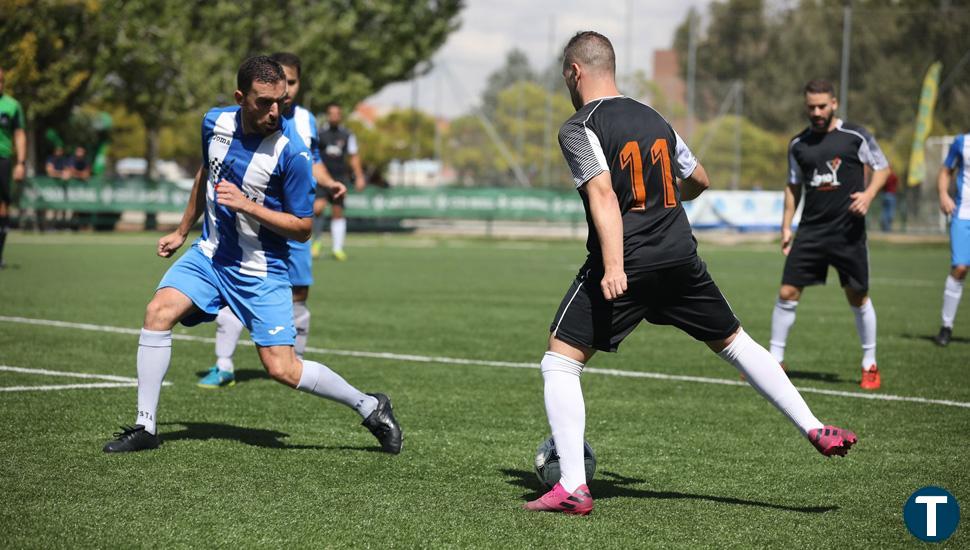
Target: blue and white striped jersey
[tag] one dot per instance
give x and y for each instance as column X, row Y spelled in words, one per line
column 957, row 159
column 274, row 171
column 305, row 124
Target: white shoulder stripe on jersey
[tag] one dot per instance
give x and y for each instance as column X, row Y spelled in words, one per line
column 301, row 117
column 224, row 128
column 255, row 181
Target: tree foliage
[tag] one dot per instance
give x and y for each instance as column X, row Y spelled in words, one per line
column 162, row 60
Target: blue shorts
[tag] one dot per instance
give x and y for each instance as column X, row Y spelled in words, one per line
column 959, row 242
column 299, row 265
column 264, row 305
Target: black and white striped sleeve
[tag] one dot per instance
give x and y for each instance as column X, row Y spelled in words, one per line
column 795, row 174
column 583, row 151
column 870, row 152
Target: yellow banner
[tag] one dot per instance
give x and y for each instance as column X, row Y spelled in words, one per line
column 924, row 123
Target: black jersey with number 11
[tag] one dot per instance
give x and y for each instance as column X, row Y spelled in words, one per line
column 644, row 157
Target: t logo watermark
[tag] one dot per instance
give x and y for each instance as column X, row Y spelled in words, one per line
column 931, row 514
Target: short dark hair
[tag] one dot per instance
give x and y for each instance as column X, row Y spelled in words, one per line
column 331, row 104
column 287, row 59
column 820, row 86
column 258, row 68
column 591, row 49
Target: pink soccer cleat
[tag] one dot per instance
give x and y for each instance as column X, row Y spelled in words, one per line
column 830, row 440
column 579, row 503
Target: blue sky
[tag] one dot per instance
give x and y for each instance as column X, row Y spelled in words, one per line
column 490, row 28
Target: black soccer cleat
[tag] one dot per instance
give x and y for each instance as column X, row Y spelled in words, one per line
column 131, row 439
column 943, row 338
column 383, row 425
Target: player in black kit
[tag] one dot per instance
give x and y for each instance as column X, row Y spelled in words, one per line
column 829, row 161
column 642, row 264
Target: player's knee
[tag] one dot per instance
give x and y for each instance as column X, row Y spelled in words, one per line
column 959, row 272
column 159, row 315
column 301, row 293
column 790, row 293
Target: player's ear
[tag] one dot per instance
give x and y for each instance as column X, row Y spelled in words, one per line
column 239, row 97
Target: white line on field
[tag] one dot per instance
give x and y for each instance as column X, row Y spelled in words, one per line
column 95, row 385
column 115, row 381
column 491, row 363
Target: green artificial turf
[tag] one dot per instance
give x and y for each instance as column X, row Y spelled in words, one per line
column 680, row 463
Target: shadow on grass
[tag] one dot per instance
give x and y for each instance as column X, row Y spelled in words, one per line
column 828, row 377
column 203, row 431
column 930, row 338
column 243, row 375
column 610, row 484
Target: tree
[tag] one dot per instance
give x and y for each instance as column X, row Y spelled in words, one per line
column 516, row 69
column 49, row 51
column 398, row 135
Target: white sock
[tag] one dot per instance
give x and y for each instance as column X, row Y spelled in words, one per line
column 865, row 323
column 567, row 415
column 228, row 330
column 952, row 292
column 764, row 373
column 154, row 355
column 301, row 319
column 782, row 319
column 323, row 382
column 338, row 230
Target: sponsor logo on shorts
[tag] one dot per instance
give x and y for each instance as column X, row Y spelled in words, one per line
column 275, row 331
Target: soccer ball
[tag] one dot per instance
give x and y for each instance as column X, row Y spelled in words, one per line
column 547, row 463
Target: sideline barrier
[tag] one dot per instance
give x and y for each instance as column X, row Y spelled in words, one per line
column 738, row 210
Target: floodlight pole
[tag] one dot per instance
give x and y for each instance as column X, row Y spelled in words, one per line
column 846, row 42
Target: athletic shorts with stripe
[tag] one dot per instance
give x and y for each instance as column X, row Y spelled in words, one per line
column 684, row 296
column 809, row 260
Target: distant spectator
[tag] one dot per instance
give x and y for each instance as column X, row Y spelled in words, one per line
column 79, row 167
column 889, row 202
column 56, row 164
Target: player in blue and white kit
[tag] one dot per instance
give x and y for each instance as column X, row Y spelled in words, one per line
column 302, row 126
column 956, row 163
column 257, row 194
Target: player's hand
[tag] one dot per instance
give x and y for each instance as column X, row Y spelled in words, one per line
column 232, row 197
column 170, row 243
column 613, row 284
column 337, row 190
column 359, row 184
column 19, row 172
column 786, row 240
column 860, row 203
column 947, row 206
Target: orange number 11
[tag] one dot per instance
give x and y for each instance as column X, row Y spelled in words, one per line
column 659, row 155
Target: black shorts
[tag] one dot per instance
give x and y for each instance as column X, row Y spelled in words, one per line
column 810, row 257
column 327, row 195
column 684, row 296
column 6, row 168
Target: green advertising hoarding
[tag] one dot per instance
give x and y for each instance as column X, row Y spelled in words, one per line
column 103, row 195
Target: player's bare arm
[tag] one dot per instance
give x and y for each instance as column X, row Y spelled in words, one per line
column 170, row 243
column 20, row 144
column 323, row 178
column 605, row 211
column 359, row 181
column 695, row 184
column 793, row 194
column 862, row 200
column 947, row 205
column 281, row 223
